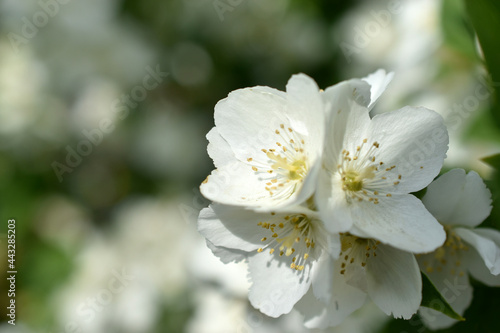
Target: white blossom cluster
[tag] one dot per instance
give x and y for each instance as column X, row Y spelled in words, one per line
column 314, row 194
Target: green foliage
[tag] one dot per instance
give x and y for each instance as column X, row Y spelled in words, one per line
column 456, row 30
column 432, row 298
column 481, row 315
column 176, row 313
column 493, row 161
column 493, row 221
column 485, row 17
column 44, row 269
column 482, row 127
column 41, row 273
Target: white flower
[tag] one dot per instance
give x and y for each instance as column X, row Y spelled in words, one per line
column 460, row 202
column 286, row 245
column 285, row 252
column 267, row 144
column 366, row 267
column 371, row 164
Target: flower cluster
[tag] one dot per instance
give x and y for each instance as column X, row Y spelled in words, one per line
column 315, row 194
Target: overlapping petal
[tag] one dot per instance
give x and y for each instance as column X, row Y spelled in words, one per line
column 401, row 221
column 275, row 287
column 231, row 227
column 243, row 119
column 227, row 255
column 333, row 207
column 394, row 282
column 378, row 82
column 415, row 141
column 218, row 149
column 478, row 269
column 345, row 299
column 457, row 198
column 486, row 247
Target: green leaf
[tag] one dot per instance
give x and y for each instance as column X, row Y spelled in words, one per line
column 485, row 17
column 493, row 161
column 493, row 221
column 482, row 315
column 456, row 30
column 432, row 298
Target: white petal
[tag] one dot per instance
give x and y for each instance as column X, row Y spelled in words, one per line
column 346, row 118
column 314, row 311
column 378, row 81
column 335, row 97
column 218, row 149
column 232, row 227
column 482, row 239
column 226, row 255
column 344, row 125
column 355, row 275
column 322, row 277
column 401, row 221
column 304, row 192
column 478, row 269
column 443, row 195
column 474, row 205
column 458, row 199
column 344, row 301
column 237, row 184
column 412, row 144
column 394, row 281
column 306, row 112
column 248, row 117
column 493, row 235
column 334, row 245
column 345, row 298
column 234, row 184
column 414, row 140
column 331, row 202
column 275, row 286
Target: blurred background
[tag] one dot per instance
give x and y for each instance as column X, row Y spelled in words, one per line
column 104, row 107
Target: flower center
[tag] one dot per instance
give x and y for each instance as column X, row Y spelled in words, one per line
column 295, row 235
column 356, row 251
column 447, row 257
column 363, row 177
column 284, row 167
column 352, row 181
column 293, row 170
column 297, row 170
